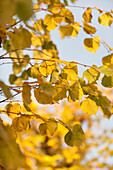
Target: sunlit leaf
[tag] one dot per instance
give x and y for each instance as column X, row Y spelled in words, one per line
column 92, row 74
column 52, row 126
column 88, row 28
column 74, row 137
column 76, row 27
column 50, row 22
column 65, row 30
column 92, row 44
column 60, row 92
column 105, row 19
column 70, row 72
column 87, row 16
column 48, row 89
column 89, row 106
column 47, row 67
column 67, row 15
column 13, row 109
column 108, row 60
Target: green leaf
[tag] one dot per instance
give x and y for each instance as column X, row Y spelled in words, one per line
column 7, row 9
column 12, row 78
column 26, row 60
column 48, row 89
column 24, row 9
column 88, row 28
column 21, row 38
column 42, row 97
column 74, row 91
column 74, row 137
column 6, row 90
column 87, row 16
column 107, row 81
column 52, row 126
column 89, row 106
column 105, row 19
column 42, row 128
column 92, row 44
column 26, row 93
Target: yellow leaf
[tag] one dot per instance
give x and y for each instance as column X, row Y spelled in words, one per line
column 38, row 25
column 21, row 123
column 108, row 61
column 105, row 19
column 67, row 15
column 92, row 44
column 42, row 128
column 52, row 126
column 33, row 71
column 89, row 106
column 50, row 22
column 60, row 92
column 6, row 90
column 47, row 67
column 76, row 27
column 88, row 28
column 70, row 72
column 13, row 109
column 87, row 16
column 65, row 30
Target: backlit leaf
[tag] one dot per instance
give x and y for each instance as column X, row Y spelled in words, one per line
column 65, row 30
column 108, row 60
column 13, row 109
column 74, row 137
column 67, row 15
column 105, row 19
column 89, row 106
column 61, row 92
column 74, row 91
column 47, row 67
column 92, row 44
column 50, row 22
column 48, row 89
column 92, row 74
column 87, row 16
column 70, row 72
column 88, row 28
column 52, row 126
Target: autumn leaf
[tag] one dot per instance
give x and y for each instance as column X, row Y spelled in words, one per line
column 26, row 93
column 74, row 137
column 6, row 90
column 87, row 16
column 89, row 106
column 105, row 19
column 92, row 44
column 52, row 126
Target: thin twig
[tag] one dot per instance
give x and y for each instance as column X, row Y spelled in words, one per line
column 8, row 99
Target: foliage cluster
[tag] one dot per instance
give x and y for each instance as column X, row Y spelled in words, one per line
column 35, row 138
